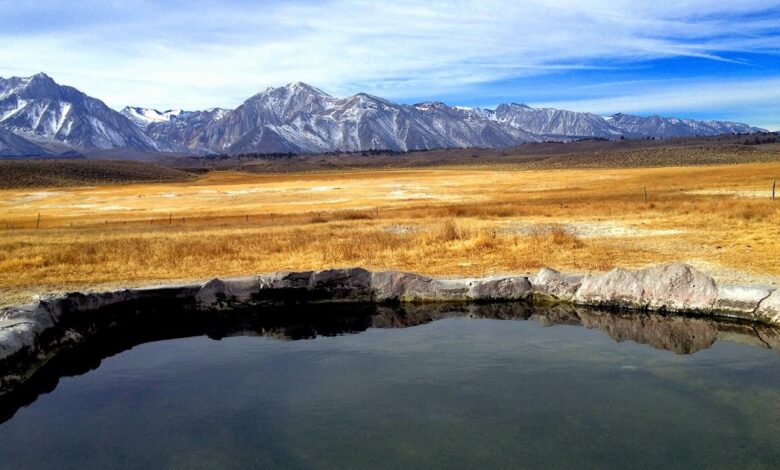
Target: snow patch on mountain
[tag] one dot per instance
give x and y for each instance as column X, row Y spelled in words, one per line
column 39, row 109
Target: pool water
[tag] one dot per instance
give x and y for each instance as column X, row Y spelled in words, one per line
column 450, row 391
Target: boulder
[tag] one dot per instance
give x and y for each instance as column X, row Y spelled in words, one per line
column 768, row 310
column 549, row 284
column 333, row 284
column 408, row 287
column 740, row 301
column 672, row 287
column 500, row 288
column 677, row 286
column 285, row 280
column 218, row 294
column 18, row 335
column 342, row 284
column 618, row 288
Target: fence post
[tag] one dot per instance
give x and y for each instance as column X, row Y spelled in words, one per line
column 38, row 222
column 774, row 185
column 645, row 188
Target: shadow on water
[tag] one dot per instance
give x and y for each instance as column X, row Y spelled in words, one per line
column 678, row 334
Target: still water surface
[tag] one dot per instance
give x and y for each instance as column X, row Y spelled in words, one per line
column 456, row 392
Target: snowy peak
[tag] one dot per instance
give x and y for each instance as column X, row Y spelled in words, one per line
column 429, row 105
column 554, row 123
column 284, row 103
column 176, row 130
column 143, row 117
column 667, row 127
column 39, row 84
column 301, row 87
column 293, row 91
column 40, row 110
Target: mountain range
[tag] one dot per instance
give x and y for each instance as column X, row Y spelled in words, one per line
column 40, row 117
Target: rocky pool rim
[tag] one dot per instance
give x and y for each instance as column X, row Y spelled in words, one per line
column 32, row 335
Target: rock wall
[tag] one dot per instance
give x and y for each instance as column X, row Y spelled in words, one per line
column 30, row 335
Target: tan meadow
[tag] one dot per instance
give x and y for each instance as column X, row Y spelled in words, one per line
column 454, row 221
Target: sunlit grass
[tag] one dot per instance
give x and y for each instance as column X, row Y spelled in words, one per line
column 449, row 221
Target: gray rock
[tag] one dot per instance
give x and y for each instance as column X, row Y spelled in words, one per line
column 340, row 284
column 285, row 280
column 333, row 284
column 741, row 301
column 408, row 287
column 677, row 287
column 768, row 310
column 219, row 294
column 549, row 284
column 17, row 335
column 617, row 288
column 672, row 287
column 500, row 288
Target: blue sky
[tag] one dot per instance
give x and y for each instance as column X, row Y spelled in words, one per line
column 700, row 59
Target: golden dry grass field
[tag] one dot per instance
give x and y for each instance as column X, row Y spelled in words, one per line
column 452, row 221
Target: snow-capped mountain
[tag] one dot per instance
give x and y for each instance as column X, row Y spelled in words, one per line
column 665, row 127
column 11, row 145
column 303, row 119
column 554, row 123
column 274, row 120
column 300, row 118
column 143, row 117
column 174, row 130
column 42, row 111
column 463, row 126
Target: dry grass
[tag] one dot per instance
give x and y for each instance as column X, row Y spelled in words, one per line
column 450, row 221
column 63, row 173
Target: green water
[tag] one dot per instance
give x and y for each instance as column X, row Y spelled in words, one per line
column 457, row 392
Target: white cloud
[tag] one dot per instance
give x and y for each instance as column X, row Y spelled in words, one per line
column 205, row 54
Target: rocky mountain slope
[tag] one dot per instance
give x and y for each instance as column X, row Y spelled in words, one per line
column 11, row 145
column 300, row 118
column 175, row 130
column 554, row 123
column 657, row 126
column 40, row 110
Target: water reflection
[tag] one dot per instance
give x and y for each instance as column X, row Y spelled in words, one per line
column 681, row 335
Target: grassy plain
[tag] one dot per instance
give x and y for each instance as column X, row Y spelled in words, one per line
column 454, row 221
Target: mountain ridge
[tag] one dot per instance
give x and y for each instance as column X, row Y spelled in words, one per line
column 301, row 118
column 42, row 111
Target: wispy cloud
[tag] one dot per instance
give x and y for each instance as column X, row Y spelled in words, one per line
column 200, row 54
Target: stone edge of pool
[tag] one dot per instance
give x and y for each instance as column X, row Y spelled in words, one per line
column 32, row 334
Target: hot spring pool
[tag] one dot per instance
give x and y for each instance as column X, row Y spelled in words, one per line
column 435, row 388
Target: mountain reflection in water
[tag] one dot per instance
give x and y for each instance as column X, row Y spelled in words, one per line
column 678, row 334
